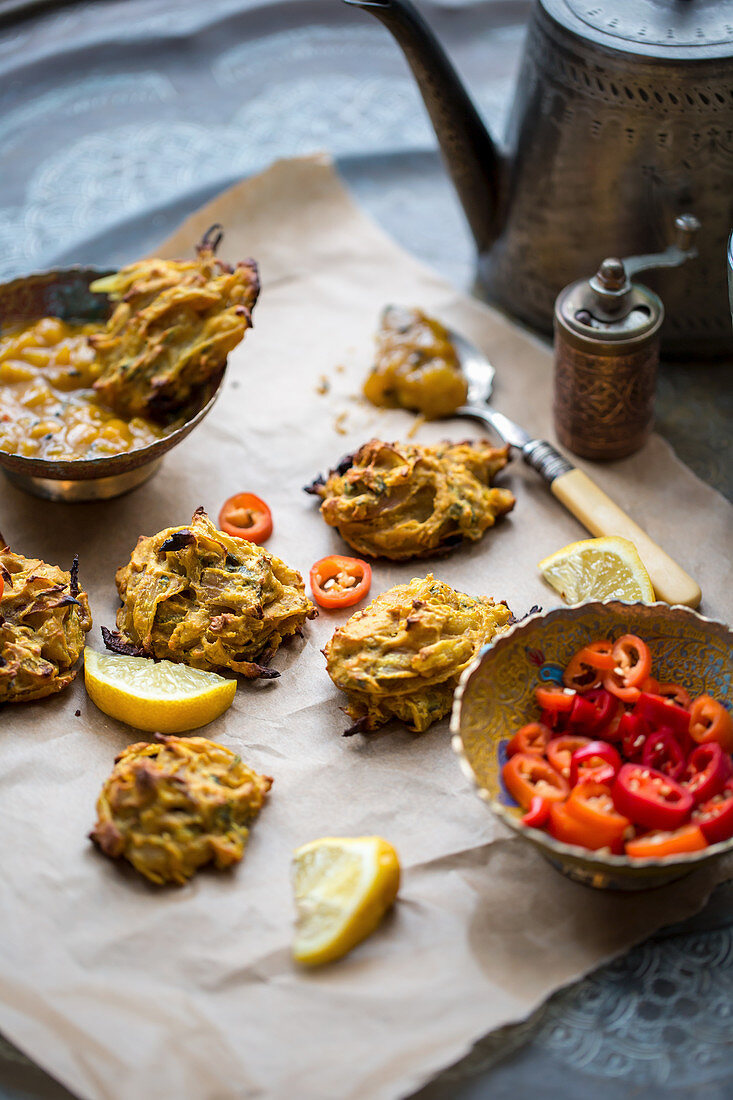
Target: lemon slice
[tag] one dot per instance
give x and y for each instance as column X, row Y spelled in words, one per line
column 155, row 696
column 343, row 886
column 607, row 568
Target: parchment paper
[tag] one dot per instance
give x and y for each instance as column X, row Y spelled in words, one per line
column 123, row 990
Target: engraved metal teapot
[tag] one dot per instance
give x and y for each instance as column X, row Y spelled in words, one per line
column 622, row 120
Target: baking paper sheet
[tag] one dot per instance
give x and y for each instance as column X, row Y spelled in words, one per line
column 123, row 990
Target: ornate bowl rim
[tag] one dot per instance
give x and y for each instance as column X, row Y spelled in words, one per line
column 543, row 840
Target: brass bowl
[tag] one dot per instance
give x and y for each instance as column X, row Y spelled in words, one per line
column 65, row 293
column 496, row 696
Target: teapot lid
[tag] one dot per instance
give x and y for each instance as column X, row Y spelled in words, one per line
column 694, row 29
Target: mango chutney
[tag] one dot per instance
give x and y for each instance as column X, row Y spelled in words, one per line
column 416, row 367
column 48, row 408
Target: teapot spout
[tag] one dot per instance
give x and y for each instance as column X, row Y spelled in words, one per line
column 475, row 163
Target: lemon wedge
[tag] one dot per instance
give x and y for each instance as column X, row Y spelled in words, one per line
column 156, row 696
column 343, row 886
column 607, row 568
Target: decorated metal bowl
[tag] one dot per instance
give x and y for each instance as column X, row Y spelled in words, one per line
column 66, row 294
column 496, row 696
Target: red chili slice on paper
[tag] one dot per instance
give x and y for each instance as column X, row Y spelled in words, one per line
column 337, row 581
column 245, row 516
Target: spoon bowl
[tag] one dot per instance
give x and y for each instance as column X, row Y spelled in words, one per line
column 479, row 373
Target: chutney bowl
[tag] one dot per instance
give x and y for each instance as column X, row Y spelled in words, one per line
column 65, row 293
column 495, row 697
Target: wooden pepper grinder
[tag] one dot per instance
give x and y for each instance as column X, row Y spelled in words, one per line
column 607, row 352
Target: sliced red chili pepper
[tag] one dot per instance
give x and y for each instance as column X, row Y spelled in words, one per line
column 591, row 804
column 663, row 752
column 340, row 582
column 658, row 711
column 650, row 686
column 688, row 838
column 554, row 719
column 676, row 694
column 531, row 738
column 607, row 707
column 708, row 769
column 538, row 812
column 711, row 721
column 554, row 697
column 566, row 828
column 612, row 730
column 584, row 714
column 2, row 587
column 580, row 673
column 560, row 751
column 633, row 660
column 649, row 798
column 245, row 516
column 633, row 732
column 613, row 682
column 526, row 776
column 599, row 654
column 597, row 762
column 715, row 815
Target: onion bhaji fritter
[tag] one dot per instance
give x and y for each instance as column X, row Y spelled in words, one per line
column 173, row 806
column 195, row 595
column 416, row 366
column 402, row 500
column 402, row 655
column 43, row 619
column 170, row 333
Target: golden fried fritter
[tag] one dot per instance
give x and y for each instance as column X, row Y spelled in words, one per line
column 43, row 619
column 402, row 655
column 171, row 331
column 195, row 595
column 416, row 366
column 401, row 500
column 173, row 806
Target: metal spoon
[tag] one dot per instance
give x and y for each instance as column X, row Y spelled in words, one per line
column 573, row 488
